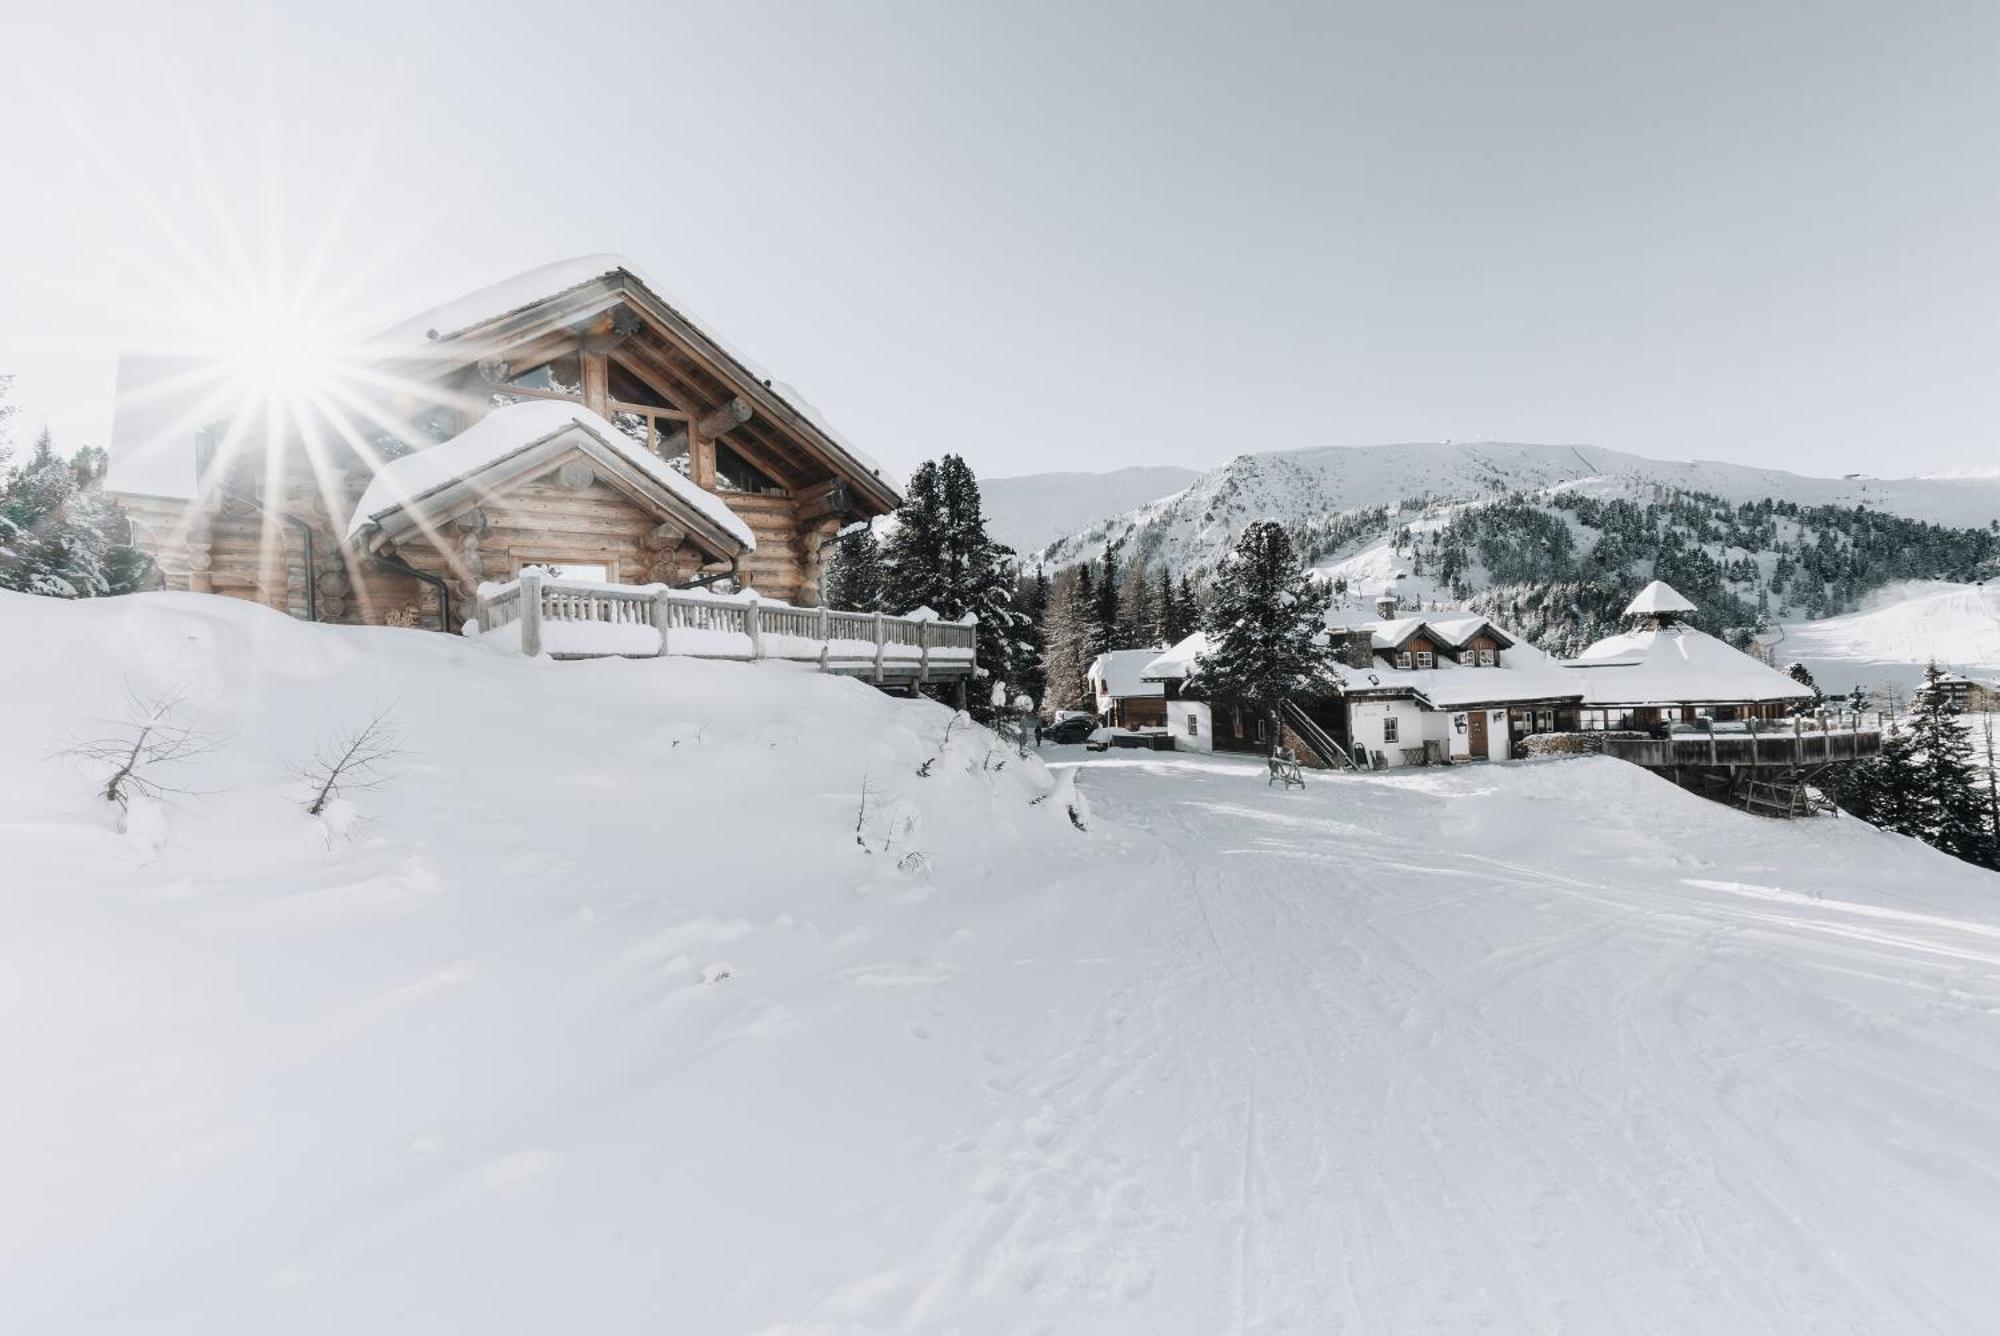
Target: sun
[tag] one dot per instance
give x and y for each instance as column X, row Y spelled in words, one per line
column 281, row 356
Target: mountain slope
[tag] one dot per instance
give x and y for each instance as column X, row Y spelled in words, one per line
column 1035, row 509
column 1190, row 530
column 595, row 1018
column 1886, row 645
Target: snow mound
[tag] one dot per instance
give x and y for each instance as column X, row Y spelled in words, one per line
column 668, row 995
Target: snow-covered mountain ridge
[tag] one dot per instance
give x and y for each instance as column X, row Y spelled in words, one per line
column 1190, row 529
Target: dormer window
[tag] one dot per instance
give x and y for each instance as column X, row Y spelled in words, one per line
column 1486, row 659
column 1425, row 659
column 1403, row 659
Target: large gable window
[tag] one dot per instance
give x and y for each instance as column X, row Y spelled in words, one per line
column 649, row 416
column 734, row 473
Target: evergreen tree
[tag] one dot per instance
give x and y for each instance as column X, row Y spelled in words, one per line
column 1267, row 627
column 941, row 557
column 59, row 534
column 1104, row 609
column 915, row 559
column 1138, row 614
column 855, row 584
column 1801, row 674
column 1065, row 652
column 1951, row 811
column 1032, row 601
column 1173, row 627
column 1187, row 612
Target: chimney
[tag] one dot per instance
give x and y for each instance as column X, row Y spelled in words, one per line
column 1385, row 604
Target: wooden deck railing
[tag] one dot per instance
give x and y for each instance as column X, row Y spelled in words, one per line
column 1773, row 742
column 576, row 619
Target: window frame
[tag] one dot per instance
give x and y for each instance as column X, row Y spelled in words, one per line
column 1392, row 730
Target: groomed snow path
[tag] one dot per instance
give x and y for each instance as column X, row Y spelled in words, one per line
column 604, row 1026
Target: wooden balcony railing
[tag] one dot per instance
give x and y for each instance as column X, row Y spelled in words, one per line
column 1822, row 740
column 579, row 619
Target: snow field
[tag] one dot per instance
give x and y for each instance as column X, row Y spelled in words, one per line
column 597, row 1019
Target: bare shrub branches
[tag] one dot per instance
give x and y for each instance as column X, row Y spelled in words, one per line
column 359, row 759
column 143, row 748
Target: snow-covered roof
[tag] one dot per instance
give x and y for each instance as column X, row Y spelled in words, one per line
column 1675, row 665
column 1523, row 672
column 508, row 431
column 1123, row 672
column 462, row 314
column 1656, row 598
column 163, row 401
column 1178, row 661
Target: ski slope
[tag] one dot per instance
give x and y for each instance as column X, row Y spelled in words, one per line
column 1885, row 645
column 597, row 1019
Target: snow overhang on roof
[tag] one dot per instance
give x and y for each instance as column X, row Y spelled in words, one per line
column 526, row 439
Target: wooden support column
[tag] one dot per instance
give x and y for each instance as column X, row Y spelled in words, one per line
column 753, row 622
column 923, row 654
column 596, row 383
column 879, row 643
column 701, row 461
column 531, row 613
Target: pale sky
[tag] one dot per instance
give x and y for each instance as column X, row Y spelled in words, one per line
column 1080, row 236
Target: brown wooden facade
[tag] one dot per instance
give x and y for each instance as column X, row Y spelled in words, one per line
column 269, row 522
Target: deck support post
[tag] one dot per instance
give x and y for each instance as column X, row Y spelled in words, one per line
column 663, row 607
column 754, row 624
column 923, row 654
column 879, row 644
column 531, row 613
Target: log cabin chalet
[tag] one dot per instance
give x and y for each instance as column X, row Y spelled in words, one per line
column 571, row 418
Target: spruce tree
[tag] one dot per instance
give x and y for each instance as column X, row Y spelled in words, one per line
column 1104, row 611
column 1950, row 810
column 855, row 584
column 1032, row 600
column 915, row 560
column 59, row 534
column 1266, row 627
column 1187, row 611
column 1173, row 628
column 1138, row 615
column 1801, row 674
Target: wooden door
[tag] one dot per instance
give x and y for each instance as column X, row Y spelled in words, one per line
column 1475, row 733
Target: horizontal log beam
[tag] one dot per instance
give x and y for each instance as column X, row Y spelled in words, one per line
column 726, row 418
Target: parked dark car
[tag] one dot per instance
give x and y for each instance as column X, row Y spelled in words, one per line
column 1069, row 731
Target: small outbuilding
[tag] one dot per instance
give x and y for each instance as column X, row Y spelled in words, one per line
column 1123, row 695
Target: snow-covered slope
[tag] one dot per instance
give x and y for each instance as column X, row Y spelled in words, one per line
column 1035, row 509
column 1886, row 644
column 1190, row 530
column 596, row 1019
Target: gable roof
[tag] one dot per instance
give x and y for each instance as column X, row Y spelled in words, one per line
column 525, row 439
column 456, row 329
column 163, row 401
